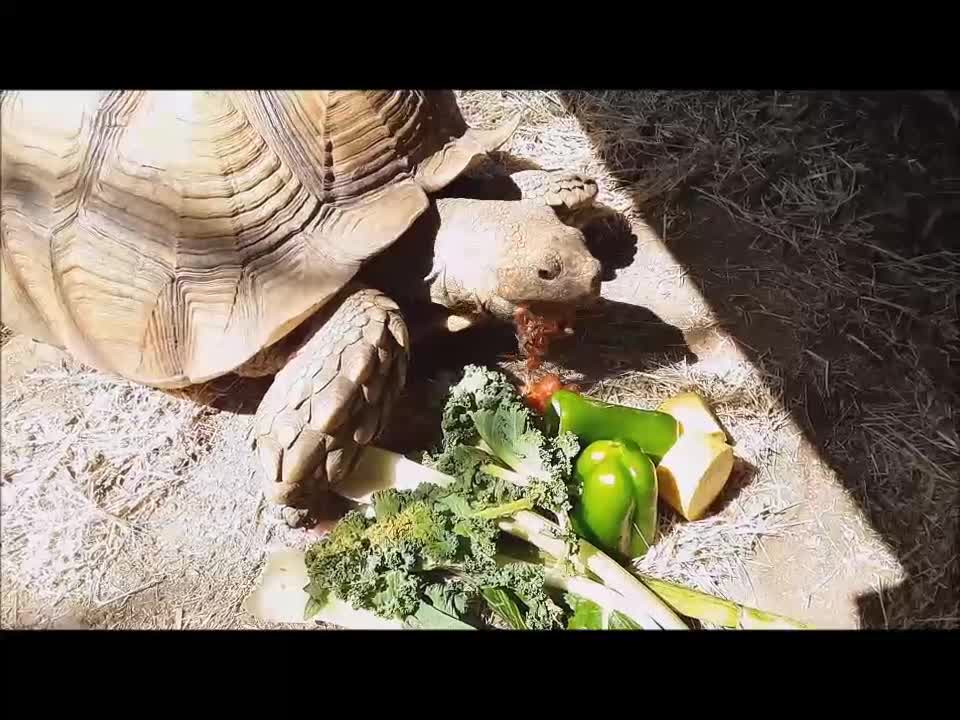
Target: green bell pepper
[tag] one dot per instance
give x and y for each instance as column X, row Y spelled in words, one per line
column 617, row 507
column 654, row 432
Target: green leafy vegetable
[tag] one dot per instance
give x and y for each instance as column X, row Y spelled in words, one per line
column 392, row 563
column 313, row 607
column 504, row 607
column 489, row 431
column 449, row 597
column 433, row 555
column 429, row 617
column 619, row 621
column 587, row 615
column 504, row 510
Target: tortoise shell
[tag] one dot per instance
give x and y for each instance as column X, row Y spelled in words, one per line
column 168, row 237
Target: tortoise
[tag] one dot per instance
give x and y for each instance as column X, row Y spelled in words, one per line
column 174, row 237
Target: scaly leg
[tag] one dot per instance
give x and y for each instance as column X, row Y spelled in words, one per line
column 564, row 191
column 332, row 397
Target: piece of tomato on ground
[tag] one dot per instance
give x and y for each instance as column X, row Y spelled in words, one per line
column 537, row 393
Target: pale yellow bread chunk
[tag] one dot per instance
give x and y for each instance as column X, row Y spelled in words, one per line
column 693, row 414
column 693, row 473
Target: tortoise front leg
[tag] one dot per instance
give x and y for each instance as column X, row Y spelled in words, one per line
column 562, row 190
column 572, row 196
column 332, row 397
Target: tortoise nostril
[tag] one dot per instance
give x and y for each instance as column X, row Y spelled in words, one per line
column 549, row 270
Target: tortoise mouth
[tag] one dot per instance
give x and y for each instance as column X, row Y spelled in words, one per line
column 505, row 310
column 554, row 314
column 555, row 295
column 556, row 308
column 537, row 329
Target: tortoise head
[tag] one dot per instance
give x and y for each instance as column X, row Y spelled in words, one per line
column 492, row 257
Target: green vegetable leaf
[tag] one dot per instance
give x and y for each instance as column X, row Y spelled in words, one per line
column 619, row 621
column 587, row 615
column 317, row 599
column 399, row 597
column 486, row 423
column 426, row 552
column 312, row 608
column 504, row 607
column 504, row 429
column 498, row 511
column 528, row 582
column 448, row 597
column 315, row 590
column 543, row 465
column 427, row 617
column 455, row 504
column 385, row 505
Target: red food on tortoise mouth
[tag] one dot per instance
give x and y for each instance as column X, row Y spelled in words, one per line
column 536, row 329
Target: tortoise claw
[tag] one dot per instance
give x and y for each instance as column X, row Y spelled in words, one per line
column 297, row 517
column 563, row 191
column 571, row 192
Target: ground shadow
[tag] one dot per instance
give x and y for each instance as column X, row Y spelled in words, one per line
column 741, row 476
column 796, row 313
column 231, row 393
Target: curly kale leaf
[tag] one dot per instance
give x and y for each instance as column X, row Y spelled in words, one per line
column 507, row 584
column 545, row 462
column 479, row 389
column 400, row 596
column 453, row 598
column 379, row 564
column 502, row 604
column 471, row 467
column 424, row 547
column 492, row 440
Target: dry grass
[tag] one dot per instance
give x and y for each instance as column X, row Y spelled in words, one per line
column 123, row 506
column 830, row 259
column 763, row 220
column 85, row 460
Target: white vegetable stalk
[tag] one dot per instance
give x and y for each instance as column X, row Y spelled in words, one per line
column 600, row 594
column 539, row 531
column 379, row 469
